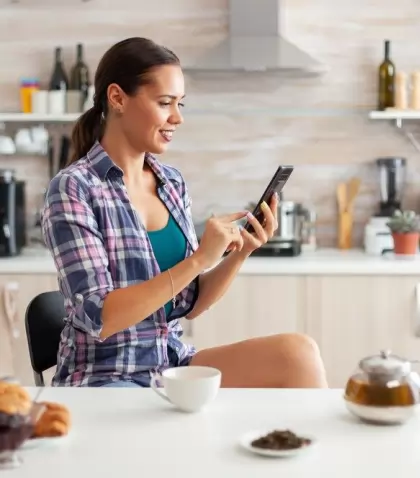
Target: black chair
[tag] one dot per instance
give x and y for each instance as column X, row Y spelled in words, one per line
column 44, row 321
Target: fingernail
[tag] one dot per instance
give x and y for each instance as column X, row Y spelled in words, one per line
column 276, row 195
column 264, row 205
column 240, row 227
column 249, row 214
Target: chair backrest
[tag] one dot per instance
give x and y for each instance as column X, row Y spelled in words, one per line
column 44, row 322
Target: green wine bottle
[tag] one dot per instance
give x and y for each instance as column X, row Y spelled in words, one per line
column 386, row 81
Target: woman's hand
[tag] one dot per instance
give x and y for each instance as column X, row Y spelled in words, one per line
column 262, row 232
column 220, row 235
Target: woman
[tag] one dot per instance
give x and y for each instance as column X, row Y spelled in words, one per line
column 118, row 224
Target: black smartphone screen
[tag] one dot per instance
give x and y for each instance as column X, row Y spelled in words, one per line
column 275, row 185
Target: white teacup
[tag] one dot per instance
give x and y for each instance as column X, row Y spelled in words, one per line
column 189, row 388
column 7, row 145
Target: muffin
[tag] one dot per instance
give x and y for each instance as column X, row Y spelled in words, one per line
column 15, row 405
column 17, row 416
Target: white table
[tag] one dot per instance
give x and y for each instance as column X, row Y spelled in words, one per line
column 132, row 432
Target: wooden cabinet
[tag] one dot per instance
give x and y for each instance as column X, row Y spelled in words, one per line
column 16, row 293
column 253, row 306
column 351, row 317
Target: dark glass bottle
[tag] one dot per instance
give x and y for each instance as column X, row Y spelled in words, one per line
column 386, row 93
column 80, row 75
column 58, row 80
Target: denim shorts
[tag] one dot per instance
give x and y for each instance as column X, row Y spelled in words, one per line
column 122, row 384
column 142, row 379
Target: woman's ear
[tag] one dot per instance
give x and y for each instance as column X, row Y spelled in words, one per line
column 116, row 98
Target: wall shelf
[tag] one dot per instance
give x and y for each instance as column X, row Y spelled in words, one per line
column 398, row 116
column 38, row 118
column 213, row 110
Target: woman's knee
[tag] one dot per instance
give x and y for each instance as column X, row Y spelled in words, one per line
column 298, row 350
column 301, row 361
column 299, row 343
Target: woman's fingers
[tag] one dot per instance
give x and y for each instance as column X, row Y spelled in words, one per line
column 274, row 204
column 234, row 234
column 226, row 218
column 270, row 221
column 251, row 239
column 258, row 228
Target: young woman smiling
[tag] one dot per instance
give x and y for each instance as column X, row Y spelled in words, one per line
column 118, row 224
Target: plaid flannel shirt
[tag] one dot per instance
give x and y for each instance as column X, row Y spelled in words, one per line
column 98, row 244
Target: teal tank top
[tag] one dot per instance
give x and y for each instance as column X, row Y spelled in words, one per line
column 169, row 247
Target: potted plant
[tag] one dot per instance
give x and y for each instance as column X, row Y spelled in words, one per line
column 405, row 228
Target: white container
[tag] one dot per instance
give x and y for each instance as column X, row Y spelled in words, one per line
column 73, row 101
column 40, row 102
column 56, row 102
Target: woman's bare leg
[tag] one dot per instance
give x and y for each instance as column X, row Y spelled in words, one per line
column 276, row 361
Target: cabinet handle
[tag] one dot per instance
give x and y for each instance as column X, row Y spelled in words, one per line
column 10, row 302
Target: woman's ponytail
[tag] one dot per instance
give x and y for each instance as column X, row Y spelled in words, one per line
column 85, row 132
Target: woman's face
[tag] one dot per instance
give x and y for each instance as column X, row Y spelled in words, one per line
column 151, row 116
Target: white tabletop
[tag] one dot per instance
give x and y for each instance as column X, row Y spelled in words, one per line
column 132, row 432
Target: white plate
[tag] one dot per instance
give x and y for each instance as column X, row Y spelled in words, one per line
column 40, row 442
column 249, row 437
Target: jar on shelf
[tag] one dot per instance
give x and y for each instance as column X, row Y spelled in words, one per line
column 27, row 87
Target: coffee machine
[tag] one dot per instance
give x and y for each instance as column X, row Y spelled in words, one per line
column 12, row 214
column 392, row 176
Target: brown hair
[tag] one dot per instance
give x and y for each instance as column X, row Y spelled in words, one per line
column 126, row 64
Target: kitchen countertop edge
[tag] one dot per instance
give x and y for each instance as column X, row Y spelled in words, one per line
column 321, row 262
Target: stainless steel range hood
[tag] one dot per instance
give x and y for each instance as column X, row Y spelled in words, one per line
column 255, row 43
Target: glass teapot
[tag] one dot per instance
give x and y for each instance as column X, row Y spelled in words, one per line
column 384, row 389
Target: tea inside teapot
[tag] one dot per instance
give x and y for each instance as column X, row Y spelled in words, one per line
column 384, row 380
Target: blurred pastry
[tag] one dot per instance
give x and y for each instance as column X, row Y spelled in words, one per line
column 16, row 417
column 7, row 388
column 15, row 404
column 54, row 422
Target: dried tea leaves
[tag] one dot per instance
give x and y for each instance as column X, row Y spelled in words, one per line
column 280, row 440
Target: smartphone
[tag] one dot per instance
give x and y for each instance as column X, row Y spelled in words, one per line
column 276, row 184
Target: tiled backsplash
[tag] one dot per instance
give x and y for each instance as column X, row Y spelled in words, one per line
column 238, row 127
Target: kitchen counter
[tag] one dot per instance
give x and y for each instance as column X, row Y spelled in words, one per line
column 321, row 262
column 333, row 262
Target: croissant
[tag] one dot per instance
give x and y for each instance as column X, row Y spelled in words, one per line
column 54, row 422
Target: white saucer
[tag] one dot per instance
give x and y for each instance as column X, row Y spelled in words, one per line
column 42, row 442
column 246, row 440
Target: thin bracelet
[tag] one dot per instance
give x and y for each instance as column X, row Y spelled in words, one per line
column 173, row 289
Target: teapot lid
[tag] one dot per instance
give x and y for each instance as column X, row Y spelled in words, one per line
column 385, row 364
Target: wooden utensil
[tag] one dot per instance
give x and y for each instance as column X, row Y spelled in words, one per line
column 341, row 197
column 346, row 195
column 354, row 187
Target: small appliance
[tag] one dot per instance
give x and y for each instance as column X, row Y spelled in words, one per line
column 392, row 174
column 12, row 214
column 287, row 241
